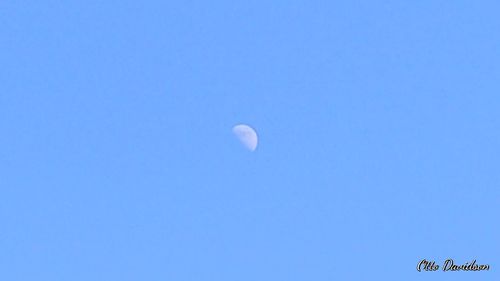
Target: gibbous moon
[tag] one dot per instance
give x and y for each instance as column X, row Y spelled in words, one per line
column 247, row 136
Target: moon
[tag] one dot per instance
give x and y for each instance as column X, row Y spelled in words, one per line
column 247, row 136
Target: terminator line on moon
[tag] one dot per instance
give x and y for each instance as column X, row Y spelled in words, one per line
column 247, row 136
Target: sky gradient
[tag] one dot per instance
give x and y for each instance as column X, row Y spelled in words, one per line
column 379, row 139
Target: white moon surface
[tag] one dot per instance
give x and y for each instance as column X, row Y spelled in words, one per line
column 247, row 136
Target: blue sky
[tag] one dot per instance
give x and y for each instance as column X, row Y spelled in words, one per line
column 379, row 137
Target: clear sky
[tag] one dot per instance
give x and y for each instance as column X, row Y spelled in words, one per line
column 378, row 122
